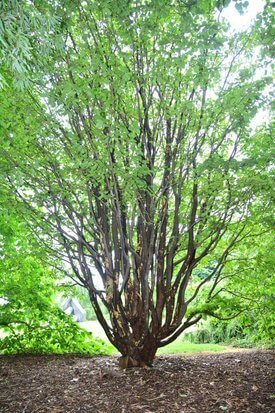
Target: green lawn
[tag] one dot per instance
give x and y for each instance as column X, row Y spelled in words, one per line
column 180, row 346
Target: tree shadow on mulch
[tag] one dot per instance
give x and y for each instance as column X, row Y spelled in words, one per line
column 232, row 382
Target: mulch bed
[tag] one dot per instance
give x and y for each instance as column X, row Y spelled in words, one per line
column 238, row 382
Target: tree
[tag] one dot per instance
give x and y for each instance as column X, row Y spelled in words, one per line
column 128, row 154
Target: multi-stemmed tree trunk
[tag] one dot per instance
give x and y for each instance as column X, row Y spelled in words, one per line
column 128, row 152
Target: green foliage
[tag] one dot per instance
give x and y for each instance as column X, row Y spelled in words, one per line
column 217, row 332
column 247, row 290
column 50, row 333
column 21, row 26
column 244, row 331
column 30, row 321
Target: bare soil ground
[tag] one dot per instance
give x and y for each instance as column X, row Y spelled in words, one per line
column 231, row 382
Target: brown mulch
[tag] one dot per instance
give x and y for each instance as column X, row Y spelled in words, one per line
column 214, row 383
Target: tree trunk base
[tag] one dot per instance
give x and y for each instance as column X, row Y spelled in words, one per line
column 126, row 362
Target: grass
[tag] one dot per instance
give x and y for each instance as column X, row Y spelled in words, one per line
column 180, row 346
